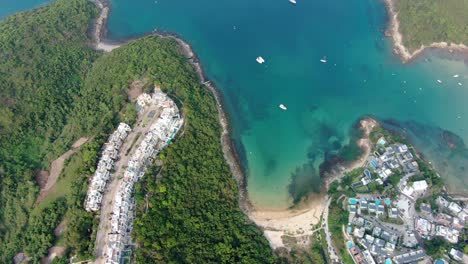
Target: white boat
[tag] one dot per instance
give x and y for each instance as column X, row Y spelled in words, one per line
column 282, row 106
column 323, row 60
column 455, row 76
column 460, row 84
column 439, row 81
column 260, row 60
column 292, row 2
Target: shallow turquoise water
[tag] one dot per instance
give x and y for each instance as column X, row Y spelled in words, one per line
column 361, row 77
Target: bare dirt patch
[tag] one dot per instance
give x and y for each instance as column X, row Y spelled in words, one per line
column 53, row 253
column 58, row 231
column 136, row 88
column 56, row 168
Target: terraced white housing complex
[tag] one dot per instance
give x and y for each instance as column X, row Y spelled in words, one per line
column 158, row 136
column 110, row 153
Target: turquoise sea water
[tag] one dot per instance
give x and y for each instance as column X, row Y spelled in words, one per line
column 8, row 7
column 362, row 77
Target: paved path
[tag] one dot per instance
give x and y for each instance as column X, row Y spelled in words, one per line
column 331, row 249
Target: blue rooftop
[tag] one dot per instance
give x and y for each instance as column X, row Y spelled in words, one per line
column 367, row 173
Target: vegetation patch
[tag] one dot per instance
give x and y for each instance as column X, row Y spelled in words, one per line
column 423, row 22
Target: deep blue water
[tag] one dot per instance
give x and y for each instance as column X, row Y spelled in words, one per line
column 361, row 77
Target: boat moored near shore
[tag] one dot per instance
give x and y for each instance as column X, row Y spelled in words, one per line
column 260, row 60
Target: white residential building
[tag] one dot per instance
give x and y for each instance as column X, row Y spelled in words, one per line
column 420, row 186
column 159, row 135
column 454, row 208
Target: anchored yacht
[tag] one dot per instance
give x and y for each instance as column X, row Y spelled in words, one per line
column 260, row 60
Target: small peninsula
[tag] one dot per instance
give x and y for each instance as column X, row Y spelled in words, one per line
column 419, row 24
column 395, row 208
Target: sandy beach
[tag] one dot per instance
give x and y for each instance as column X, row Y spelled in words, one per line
column 98, row 30
column 405, row 54
column 302, row 221
column 299, row 222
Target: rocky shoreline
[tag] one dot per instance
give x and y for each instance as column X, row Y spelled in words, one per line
column 366, row 125
column 98, row 34
column 229, row 151
column 399, row 48
column 274, row 223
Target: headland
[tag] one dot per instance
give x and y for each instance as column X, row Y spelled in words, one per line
column 404, row 52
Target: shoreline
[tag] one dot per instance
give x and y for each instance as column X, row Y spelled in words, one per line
column 98, row 33
column 229, row 152
column 296, row 222
column 393, row 31
column 300, row 222
column 366, row 125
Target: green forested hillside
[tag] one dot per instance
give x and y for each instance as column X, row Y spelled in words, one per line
column 423, row 22
column 54, row 89
column 193, row 214
column 43, row 61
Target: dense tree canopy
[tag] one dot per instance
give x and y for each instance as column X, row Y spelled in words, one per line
column 193, row 214
column 54, row 89
column 423, row 22
column 43, row 61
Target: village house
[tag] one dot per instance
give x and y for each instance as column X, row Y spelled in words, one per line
column 423, row 226
column 393, row 212
column 456, row 255
column 454, row 208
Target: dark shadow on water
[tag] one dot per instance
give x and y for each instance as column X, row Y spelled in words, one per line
column 322, row 156
column 304, row 180
column 271, row 166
